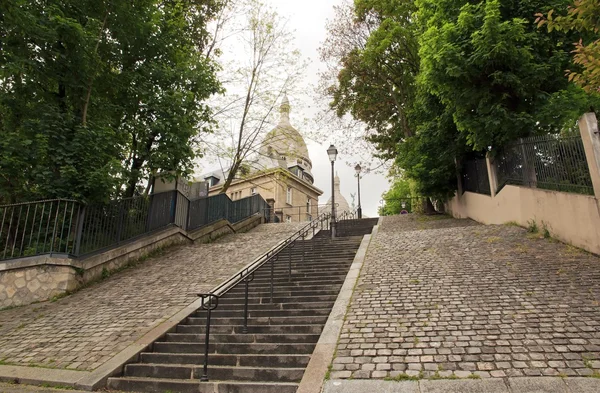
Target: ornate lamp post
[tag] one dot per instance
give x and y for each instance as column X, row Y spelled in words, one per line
column 357, row 168
column 332, row 153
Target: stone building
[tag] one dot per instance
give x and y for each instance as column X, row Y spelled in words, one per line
column 281, row 173
column 341, row 202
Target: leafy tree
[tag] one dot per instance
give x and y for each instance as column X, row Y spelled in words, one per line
column 96, row 95
column 376, row 68
column 490, row 65
column 583, row 17
column 256, row 85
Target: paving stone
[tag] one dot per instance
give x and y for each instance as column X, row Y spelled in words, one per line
column 469, row 386
column 484, row 298
column 537, row 385
column 583, row 385
column 333, row 386
column 105, row 318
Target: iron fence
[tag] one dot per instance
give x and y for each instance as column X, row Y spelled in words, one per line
column 69, row 227
column 207, row 210
column 298, row 213
column 474, row 176
column 550, row 162
column 38, row 228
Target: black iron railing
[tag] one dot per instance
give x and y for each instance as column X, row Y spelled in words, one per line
column 210, row 301
column 43, row 227
column 62, row 226
column 474, row 176
column 550, row 162
column 292, row 213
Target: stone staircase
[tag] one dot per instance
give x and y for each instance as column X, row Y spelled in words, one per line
column 272, row 355
column 355, row 227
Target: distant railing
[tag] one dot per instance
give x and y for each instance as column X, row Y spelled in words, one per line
column 38, row 228
column 292, row 213
column 392, row 206
column 474, row 176
column 62, row 226
column 550, row 162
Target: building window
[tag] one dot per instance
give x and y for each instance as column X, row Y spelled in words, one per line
column 288, row 196
column 288, row 218
column 232, row 196
column 308, row 205
column 253, row 191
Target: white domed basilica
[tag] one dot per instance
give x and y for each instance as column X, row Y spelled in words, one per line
column 281, row 173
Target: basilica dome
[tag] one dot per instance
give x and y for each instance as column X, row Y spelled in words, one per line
column 284, row 146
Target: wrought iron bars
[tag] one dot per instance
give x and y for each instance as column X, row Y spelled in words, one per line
column 41, row 227
column 551, row 162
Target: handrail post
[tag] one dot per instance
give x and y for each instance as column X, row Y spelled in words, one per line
column 290, row 262
column 208, row 308
column 247, row 280
column 272, row 276
column 303, row 248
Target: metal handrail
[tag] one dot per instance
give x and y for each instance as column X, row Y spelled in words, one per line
column 210, row 300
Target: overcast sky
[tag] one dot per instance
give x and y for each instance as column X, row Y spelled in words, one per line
column 307, row 19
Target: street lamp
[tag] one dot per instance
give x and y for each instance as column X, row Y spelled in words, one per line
column 332, row 153
column 357, row 168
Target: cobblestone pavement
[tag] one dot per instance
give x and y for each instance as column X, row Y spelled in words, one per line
column 84, row 330
column 438, row 297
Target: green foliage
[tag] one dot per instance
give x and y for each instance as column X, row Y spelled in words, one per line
column 435, row 80
column 399, row 192
column 97, row 95
column 582, row 17
column 532, row 226
column 490, row 66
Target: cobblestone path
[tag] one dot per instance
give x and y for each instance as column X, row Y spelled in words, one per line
column 84, row 330
column 438, row 297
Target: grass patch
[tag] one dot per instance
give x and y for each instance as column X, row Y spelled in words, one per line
column 474, row 376
column 62, row 387
column 328, row 373
column 415, row 281
column 404, row 377
column 545, row 231
column 493, row 239
column 512, row 224
column 532, row 226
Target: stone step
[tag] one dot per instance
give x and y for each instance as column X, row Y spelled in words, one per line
column 253, row 314
column 235, row 373
column 300, row 305
column 284, row 276
column 328, row 290
column 303, row 282
column 282, row 360
column 232, row 348
column 253, row 329
column 276, row 299
column 242, row 338
column 263, row 321
column 160, row 385
column 272, row 355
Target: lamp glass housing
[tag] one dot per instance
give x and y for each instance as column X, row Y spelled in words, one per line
column 332, row 153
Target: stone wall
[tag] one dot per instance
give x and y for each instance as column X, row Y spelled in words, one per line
column 36, row 283
column 32, row 279
column 569, row 217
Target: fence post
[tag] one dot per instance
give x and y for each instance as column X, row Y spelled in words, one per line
column 491, row 171
column 588, row 127
column 529, row 175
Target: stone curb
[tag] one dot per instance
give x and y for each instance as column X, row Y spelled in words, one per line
column 322, row 356
column 491, row 385
column 92, row 380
